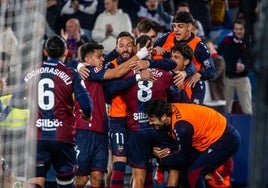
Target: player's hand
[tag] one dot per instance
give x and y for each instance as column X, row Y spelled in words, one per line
column 178, row 79
column 84, row 117
column 190, row 82
column 147, row 75
column 139, row 65
column 84, row 72
column 159, row 50
column 161, row 153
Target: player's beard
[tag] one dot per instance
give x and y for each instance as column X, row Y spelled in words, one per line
column 126, row 56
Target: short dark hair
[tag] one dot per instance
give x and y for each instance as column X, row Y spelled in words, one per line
column 185, row 50
column 124, row 34
column 183, row 17
column 55, row 46
column 89, row 48
column 240, row 21
column 183, row 4
column 158, row 108
column 146, row 25
column 143, row 39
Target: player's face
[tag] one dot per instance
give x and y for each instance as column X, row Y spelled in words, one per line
column 179, row 59
column 156, row 122
column 95, row 58
column 152, row 34
column 124, row 48
column 182, row 31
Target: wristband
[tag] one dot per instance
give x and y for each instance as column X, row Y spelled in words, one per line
column 79, row 66
column 138, row 77
column 142, row 53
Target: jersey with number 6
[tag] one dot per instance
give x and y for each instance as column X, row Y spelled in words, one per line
column 137, row 96
column 56, row 84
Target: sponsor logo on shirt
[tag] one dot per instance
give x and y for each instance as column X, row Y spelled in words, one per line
column 48, row 124
column 141, row 117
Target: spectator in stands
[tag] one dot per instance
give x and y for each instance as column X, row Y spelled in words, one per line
column 53, row 12
column 234, row 50
column 201, row 11
column 182, row 7
column 74, row 38
column 150, row 12
column 109, row 24
column 4, row 61
column 84, row 11
column 9, row 43
column 215, row 96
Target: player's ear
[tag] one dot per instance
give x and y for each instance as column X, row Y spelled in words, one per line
column 163, row 117
column 65, row 52
column 45, row 52
column 135, row 49
column 186, row 62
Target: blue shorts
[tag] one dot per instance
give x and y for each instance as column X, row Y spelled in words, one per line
column 118, row 136
column 92, row 152
column 60, row 154
column 141, row 143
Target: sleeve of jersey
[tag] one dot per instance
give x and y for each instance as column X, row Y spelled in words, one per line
column 198, row 92
column 96, row 74
column 82, row 95
column 202, row 55
column 173, row 94
column 111, row 56
column 117, row 85
column 190, row 69
column 72, row 64
column 184, row 132
column 165, row 63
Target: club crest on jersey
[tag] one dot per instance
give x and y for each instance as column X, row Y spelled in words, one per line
column 120, row 148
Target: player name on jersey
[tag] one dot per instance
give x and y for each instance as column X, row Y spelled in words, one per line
column 44, row 70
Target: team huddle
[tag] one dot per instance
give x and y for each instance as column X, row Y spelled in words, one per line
column 153, row 93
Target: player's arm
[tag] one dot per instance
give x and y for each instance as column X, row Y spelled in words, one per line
column 165, row 64
column 82, row 96
column 184, row 132
column 202, row 55
column 114, row 86
column 125, row 67
column 198, row 92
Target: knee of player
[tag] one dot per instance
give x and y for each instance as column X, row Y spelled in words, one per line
column 96, row 178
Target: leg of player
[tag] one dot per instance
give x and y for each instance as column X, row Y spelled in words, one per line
column 80, row 181
column 173, row 178
column 96, row 179
column 138, row 177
